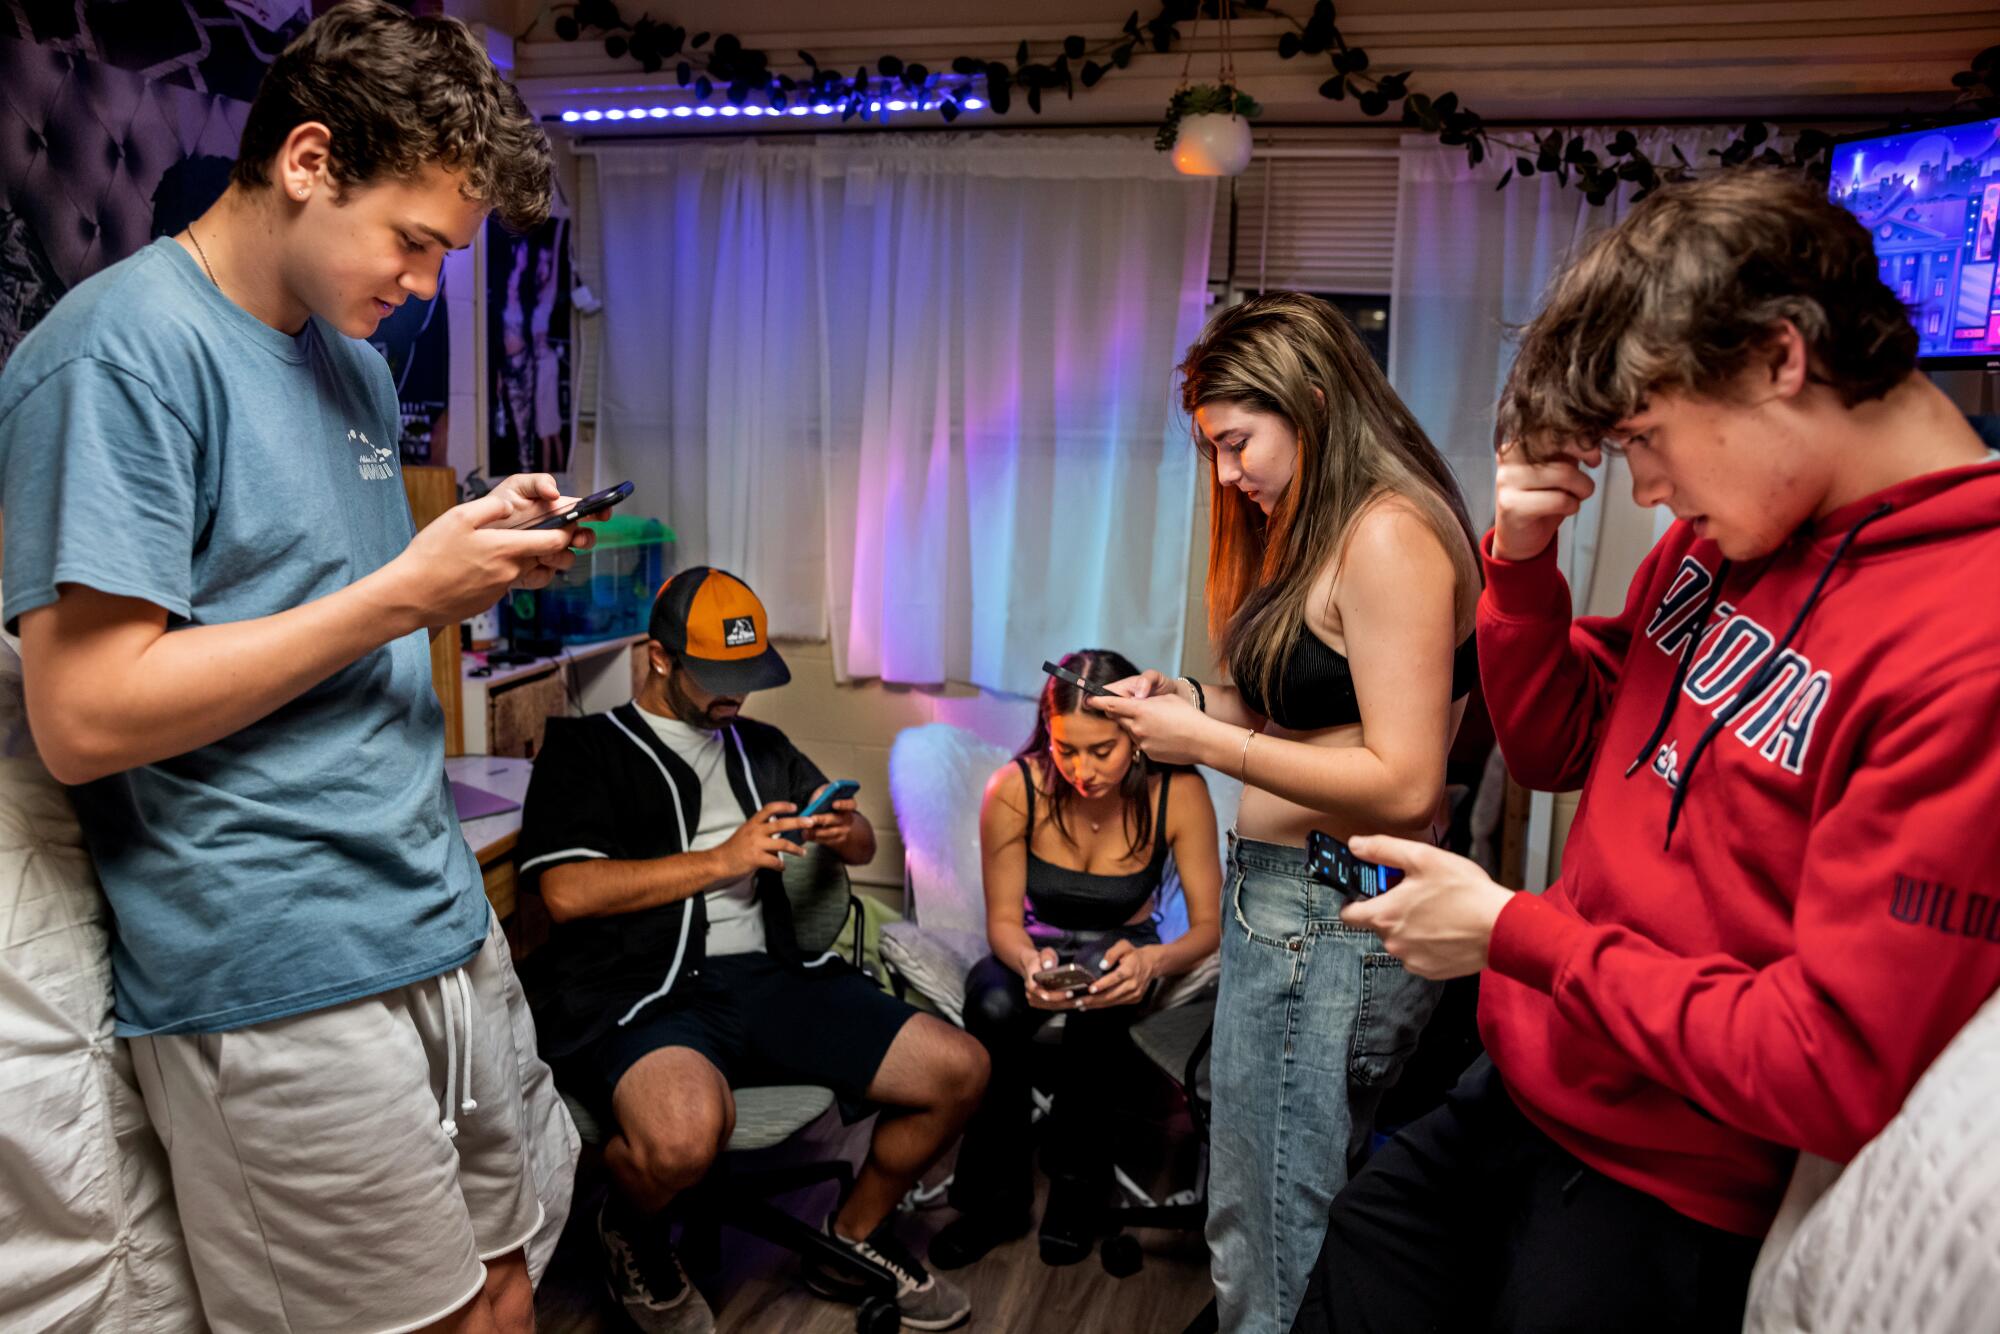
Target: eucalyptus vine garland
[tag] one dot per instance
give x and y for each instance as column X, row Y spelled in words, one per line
column 712, row 63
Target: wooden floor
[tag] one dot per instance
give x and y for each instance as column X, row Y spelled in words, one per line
column 758, row 1291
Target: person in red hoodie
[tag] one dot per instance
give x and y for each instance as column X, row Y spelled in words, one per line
column 1781, row 895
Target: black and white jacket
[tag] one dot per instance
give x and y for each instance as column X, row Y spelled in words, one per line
column 605, row 786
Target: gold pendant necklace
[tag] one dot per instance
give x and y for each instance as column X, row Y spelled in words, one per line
column 204, row 258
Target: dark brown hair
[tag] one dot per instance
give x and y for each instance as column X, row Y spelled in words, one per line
column 397, row 93
column 1098, row 666
column 1357, row 444
column 1685, row 290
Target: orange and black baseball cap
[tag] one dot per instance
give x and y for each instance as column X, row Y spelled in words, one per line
column 713, row 622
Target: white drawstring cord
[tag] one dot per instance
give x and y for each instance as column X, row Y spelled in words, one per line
column 465, row 994
column 450, row 1016
column 457, row 1016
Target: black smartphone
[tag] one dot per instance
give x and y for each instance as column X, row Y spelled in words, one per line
column 1071, row 977
column 1069, row 677
column 840, row 789
column 1329, row 862
column 575, row 509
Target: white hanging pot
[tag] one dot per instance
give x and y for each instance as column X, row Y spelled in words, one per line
column 1216, row 144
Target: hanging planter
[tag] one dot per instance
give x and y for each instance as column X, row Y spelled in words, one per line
column 1208, row 124
column 1208, row 129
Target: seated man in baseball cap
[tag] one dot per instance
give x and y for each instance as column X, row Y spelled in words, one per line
column 656, row 833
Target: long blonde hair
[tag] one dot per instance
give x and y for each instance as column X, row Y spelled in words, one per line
column 1357, row 443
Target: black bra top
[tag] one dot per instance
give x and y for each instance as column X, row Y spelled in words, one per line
column 1316, row 687
column 1073, row 900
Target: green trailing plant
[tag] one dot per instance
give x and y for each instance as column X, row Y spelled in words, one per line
column 713, row 64
column 1203, row 99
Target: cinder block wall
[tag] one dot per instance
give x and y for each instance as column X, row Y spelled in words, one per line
column 848, row 729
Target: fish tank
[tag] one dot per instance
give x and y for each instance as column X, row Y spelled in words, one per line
column 606, row 594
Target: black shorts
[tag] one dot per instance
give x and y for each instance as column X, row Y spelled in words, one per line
column 759, row 1022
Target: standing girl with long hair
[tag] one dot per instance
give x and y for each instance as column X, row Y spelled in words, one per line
column 1341, row 584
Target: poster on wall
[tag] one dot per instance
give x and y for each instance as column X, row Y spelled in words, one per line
column 527, row 340
column 416, row 342
column 28, row 284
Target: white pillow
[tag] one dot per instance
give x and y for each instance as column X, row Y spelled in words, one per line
column 937, row 775
column 92, row 1239
column 1907, row 1237
column 935, row 961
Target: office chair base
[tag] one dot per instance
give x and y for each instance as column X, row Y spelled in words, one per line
column 1120, row 1255
column 878, row 1315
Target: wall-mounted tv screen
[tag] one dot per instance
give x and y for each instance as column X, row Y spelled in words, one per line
column 1931, row 199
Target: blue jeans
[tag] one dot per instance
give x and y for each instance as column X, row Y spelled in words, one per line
column 1312, row 1025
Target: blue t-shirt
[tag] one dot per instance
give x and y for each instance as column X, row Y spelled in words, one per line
column 159, row 442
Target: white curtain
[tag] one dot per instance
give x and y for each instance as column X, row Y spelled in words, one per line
column 917, row 392
column 711, row 385
column 1471, row 265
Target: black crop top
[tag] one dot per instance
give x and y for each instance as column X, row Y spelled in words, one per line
column 1316, row 686
column 1073, row 900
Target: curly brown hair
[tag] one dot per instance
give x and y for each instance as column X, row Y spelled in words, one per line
column 396, row 93
column 1685, row 290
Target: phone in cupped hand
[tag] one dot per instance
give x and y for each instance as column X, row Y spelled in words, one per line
column 574, row 510
column 1069, row 977
column 1329, row 862
column 840, row 789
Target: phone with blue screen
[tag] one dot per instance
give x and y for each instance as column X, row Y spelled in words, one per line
column 1329, row 862
column 840, row 789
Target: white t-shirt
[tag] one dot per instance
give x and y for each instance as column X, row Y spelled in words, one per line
column 735, row 924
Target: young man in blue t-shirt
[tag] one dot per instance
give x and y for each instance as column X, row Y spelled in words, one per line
column 223, row 612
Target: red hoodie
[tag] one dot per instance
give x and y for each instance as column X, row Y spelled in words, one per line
column 1683, row 1013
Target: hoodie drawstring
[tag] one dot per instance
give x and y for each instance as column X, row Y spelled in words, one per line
column 1766, row 672
column 1708, row 605
column 455, row 1002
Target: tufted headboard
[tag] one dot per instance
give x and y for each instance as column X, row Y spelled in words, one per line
column 84, row 150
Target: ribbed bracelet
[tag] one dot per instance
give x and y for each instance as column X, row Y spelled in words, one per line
column 1200, row 695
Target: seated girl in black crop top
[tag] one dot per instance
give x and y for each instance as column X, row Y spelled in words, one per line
column 1074, row 835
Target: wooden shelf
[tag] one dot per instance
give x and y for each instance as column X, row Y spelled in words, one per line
column 432, row 491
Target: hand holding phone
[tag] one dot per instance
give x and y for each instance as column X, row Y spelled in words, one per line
column 1068, row 977
column 465, row 560
column 573, row 511
column 840, row 789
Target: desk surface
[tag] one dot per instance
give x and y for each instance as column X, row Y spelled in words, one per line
column 494, row 835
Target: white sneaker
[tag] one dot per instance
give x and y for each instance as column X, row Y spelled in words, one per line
column 926, row 1301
